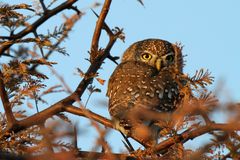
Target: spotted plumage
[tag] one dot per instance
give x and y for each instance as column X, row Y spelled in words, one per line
column 146, row 78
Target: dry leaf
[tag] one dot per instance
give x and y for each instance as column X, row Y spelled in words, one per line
column 101, row 81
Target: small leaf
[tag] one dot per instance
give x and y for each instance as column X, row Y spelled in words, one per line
column 30, row 105
column 101, row 81
column 201, row 78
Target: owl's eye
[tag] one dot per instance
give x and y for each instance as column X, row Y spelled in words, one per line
column 169, row 58
column 146, row 56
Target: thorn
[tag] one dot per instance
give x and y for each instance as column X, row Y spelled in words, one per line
column 8, row 55
column 43, row 6
column 127, row 144
column 76, row 9
column 113, row 59
column 105, row 26
column 36, row 36
column 141, row 2
column 75, row 130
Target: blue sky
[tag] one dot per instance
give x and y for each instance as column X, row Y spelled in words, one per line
column 209, row 31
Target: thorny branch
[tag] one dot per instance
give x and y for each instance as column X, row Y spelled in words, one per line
column 36, row 24
column 43, row 6
column 97, row 56
column 82, row 154
column 69, row 24
column 40, row 117
column 89, row 114
column 98, row 28
column 60, row 106
column 66, row 105
column 191, row 134
column 6, row 104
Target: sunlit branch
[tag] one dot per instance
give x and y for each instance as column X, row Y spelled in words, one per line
column 191, row 134
column 98, row 28
column 89, row 114
column 37, row 23
column 43, row 6
column 6, row 104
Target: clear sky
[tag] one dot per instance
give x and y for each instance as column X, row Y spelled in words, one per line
column 208, row 29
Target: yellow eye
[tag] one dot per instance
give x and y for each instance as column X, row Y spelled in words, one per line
column 146, row 56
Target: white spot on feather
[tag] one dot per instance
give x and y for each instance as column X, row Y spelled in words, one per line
column 160, row 95
column 170, row 95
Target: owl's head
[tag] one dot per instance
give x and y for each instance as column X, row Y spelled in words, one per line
column 156, row 53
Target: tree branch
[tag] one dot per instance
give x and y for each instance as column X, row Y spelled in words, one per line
column 11, row 156
column 69, row 23
column 40, row 117
column 89, row 114
column 189, row 135
column 98, row 28
column 6, row 104
column 43, row 6
column 37, row 23
column 96, row 60
column 59, row 106
column 78, row 154
column 97, row 155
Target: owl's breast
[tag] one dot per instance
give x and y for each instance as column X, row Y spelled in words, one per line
column 135, row 84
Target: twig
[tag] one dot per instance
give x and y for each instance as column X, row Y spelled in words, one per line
column 96, row 60
column 6, row 104
column 5, row 37
column 89, row 114
column 78, row 154
column 97, row 155
column 36, row 101
column 73, row 19
column 75, row 9
column 61, row 79
column 127, row 144
column 189, row 135
column 141, row 2
column 51, row 111
column 43, row 6
column 98, row 28
column 110, row 34
column 61, row 105
column 35, row 119
column 37, row 23
column 36, row 36
column 88, row 99
column 104, row 26
column 75, row 137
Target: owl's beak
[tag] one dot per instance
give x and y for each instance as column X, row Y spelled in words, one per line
column 158, row 64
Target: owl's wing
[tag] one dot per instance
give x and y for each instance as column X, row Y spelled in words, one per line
column 128, row 86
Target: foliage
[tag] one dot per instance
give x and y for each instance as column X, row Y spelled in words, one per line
column 23, row 80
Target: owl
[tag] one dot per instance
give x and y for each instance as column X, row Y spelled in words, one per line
column 146, row 78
